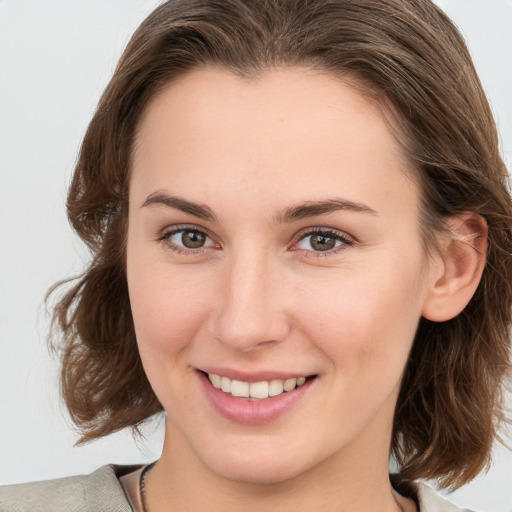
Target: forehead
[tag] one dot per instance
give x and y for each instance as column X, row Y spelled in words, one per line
column 293, row 126
column 279, row 100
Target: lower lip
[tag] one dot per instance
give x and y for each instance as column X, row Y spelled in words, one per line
column 255, row 412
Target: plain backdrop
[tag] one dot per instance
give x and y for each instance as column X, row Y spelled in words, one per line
column 55, row 59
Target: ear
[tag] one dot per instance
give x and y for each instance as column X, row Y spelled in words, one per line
column 458, row 268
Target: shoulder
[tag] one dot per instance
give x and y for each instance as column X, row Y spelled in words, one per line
column 100, row 490
column 427, row 499
column 430, row 501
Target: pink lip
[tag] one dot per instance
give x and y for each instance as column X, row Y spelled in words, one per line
column 252, row 412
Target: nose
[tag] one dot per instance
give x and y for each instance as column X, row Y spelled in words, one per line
column 251, row 310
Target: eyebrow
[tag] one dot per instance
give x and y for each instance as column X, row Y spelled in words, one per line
column 314, row 208
column 195, row 209
column 290, row 214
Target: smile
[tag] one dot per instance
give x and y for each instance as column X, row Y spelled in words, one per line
column 254, row 390
column 257, row 402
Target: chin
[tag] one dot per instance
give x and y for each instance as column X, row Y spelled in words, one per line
column 257, row 467
column 262, row 474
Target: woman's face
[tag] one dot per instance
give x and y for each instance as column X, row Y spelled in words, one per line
column 273, row 235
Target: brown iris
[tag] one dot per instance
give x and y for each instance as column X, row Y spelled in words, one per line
column 322, row 242
column 193, row 239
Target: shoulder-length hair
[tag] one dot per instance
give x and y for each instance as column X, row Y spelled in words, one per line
column 408, row 55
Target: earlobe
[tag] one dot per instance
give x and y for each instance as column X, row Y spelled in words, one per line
column 458, row 269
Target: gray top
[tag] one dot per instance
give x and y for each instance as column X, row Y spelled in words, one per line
column 101, row 491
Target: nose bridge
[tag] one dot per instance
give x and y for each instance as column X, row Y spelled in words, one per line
column 250, row 311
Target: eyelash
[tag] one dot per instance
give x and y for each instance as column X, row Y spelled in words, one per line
column 346, row 241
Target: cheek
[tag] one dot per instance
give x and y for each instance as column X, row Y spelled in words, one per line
column 166, row 314
column 167, row 306
column 366, row 323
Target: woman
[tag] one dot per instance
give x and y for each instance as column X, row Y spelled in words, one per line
column 301, row 239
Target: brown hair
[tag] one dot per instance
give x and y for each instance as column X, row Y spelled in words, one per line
column 410, row 54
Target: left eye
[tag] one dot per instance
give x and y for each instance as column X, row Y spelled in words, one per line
column 189, row 239
column 322, row 241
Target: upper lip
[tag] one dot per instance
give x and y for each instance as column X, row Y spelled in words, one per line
column 254, row 376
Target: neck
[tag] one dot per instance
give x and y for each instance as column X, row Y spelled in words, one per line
column 355, row 480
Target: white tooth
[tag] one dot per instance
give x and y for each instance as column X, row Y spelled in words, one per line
column 301, row 381
column 239, row 388
column 215, row 380
column 275, row 387
column 258, row 389
column 225, row 384
column 290, row 384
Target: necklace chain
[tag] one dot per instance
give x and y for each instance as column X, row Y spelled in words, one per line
column 142, row 486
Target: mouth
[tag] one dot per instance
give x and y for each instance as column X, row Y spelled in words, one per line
column 254, row 401
column 256, row 390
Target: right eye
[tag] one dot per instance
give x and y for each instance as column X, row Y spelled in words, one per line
column 186, row 239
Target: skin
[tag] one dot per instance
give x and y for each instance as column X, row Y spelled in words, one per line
column 258, row 296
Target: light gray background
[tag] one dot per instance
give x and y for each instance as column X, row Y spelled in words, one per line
column 55, row 59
